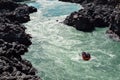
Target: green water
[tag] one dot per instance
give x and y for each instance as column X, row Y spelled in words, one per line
column 56, row 47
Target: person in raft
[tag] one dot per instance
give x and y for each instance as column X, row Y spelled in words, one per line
column 86, row 56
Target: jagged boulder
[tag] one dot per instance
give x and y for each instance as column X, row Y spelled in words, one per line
column 16, row 12
column 7, row 5
column 80, row 22
column 20, row 0
column 96, row 13
column 14, row 41
column 15, row 69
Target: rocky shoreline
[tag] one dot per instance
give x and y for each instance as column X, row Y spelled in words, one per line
column 14, row 41
column 96, row 13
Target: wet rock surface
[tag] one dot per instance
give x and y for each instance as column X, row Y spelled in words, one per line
column 14, row 41
column 96, row 13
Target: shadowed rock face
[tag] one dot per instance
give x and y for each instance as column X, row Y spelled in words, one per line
column 20, row 0
column 14, row 41
column 96, row 13
column 14, row 69
column 97, row 2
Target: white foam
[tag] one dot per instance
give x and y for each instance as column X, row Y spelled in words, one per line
column 78, row 58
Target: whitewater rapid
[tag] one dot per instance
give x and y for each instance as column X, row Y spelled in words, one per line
column 56, row 47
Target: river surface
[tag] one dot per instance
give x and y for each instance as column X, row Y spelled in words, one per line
column 56, row 47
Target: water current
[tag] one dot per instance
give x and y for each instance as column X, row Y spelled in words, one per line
column 56, row 47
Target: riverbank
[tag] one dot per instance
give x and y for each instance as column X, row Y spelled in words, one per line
column 96, row 13
column 14, row 41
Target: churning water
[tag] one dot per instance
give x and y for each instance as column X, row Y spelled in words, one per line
column 56, row 47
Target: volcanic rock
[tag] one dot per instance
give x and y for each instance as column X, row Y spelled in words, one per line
column 96, row 13
column 14, row 41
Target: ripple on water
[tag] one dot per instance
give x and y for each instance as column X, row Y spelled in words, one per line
column 56, row 47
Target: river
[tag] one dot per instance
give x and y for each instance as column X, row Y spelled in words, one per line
column 56, row 47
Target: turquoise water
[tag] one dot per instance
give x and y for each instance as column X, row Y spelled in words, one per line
column 56, row 47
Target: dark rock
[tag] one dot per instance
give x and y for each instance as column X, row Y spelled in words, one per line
column 87, row 19
column 16, row 12
column 7, row 5
column 32, row 9
column 96, row 13
column 20, row 0
column 12, row 49
column 14, row 33
column 73, row 1
column 80, row 22
column 14, row 41
column 10, row 69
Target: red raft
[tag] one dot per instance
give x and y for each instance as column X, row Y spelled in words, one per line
column 86, row 56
